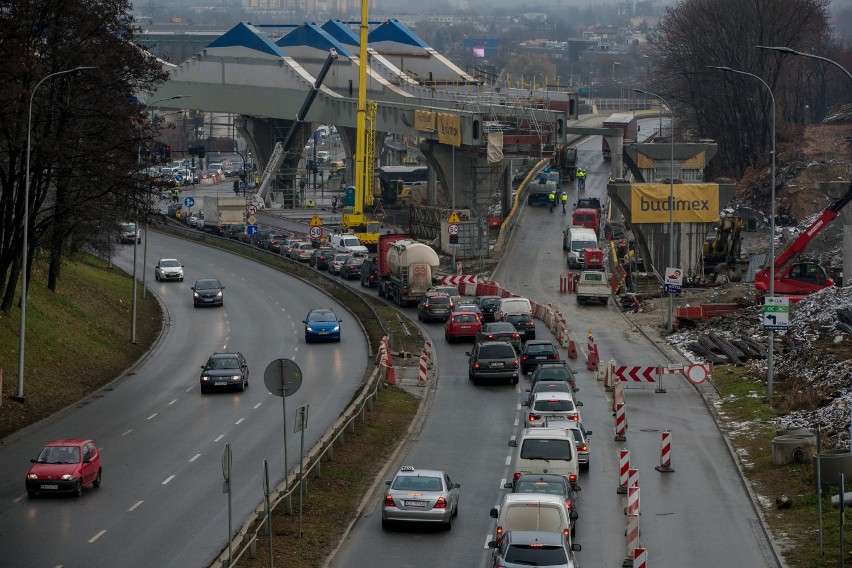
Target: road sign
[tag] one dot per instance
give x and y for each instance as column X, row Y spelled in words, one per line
column 251, row 230
column 252, row 220
column 281, row 372
column 453, row 229
column 696, row 374
column 316, row 221
column 674, row 281
column 454, row 218
column 251, row 209
column 776, row 313
column 186, row 163
column 189, row 202
column 315, row 232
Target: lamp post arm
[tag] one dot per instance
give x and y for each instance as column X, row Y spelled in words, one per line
column 790, row 51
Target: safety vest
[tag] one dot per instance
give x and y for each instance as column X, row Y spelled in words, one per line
column 564, row 198
column 581, row 174
column 551, row 197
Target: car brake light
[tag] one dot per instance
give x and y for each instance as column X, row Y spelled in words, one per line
column 499, row 531
column 525, row 356
column 565, row 532
column 516, row 363
column 491, row 336
column 533, row 417
column 574, row 418
column 516, row 476
column 516, row 335
column 556, row 355
column 441, row 503
column 568, row 505
column 426, row 306
column 584, row 448
column 572, row 478
column 476, row 365
column 389, row 501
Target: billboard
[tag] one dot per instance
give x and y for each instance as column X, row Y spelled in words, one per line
column 693, row 202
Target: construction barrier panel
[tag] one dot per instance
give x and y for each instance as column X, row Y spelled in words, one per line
column 632, row 534
column 640, row 558
column 623, row 470
column 620, row 423
column 572, row 349
column 423, row 375
column 665, row 453
column 563, row 283
column 632, row 477
column 632, row 501
column 427, row 349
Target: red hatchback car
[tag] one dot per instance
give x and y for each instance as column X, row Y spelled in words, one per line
column 462, row 325
column 65, row 466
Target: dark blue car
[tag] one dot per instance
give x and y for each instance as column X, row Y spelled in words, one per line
column 322, row 324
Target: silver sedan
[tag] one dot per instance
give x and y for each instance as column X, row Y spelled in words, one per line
column 420, row 495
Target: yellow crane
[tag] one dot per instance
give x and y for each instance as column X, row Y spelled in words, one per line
column 356, row 222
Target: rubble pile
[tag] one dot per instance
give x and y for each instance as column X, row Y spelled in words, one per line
column 813, row 362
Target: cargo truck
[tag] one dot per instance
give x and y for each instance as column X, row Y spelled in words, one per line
column 565, row 159
column 410, row 269
column 625, row 122
column 219, row 212
column 549, row 181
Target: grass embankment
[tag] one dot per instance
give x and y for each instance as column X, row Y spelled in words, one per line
column 796, row 528
column 77, row 338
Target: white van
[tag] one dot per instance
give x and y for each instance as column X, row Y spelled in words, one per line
column 576, row 239
column 348, row 244
column 513, row 306
column 547, row 450
column 532, row 512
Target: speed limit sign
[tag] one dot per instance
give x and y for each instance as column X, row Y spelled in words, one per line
column 315, row 232
column 453, row 229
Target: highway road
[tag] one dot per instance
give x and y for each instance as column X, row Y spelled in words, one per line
column 161, row 502
column 699, row 516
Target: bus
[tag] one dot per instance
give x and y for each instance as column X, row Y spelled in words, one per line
column 395, row 181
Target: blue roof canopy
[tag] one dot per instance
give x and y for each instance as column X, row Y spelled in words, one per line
column 243, row 35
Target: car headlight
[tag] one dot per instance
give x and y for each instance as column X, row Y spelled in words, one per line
column 67, row 477
column 237, row 378
column 218, row 294
column 336, row 328
column 309, row 328
column 195, row 295
column 32, row 476
column 205, row 378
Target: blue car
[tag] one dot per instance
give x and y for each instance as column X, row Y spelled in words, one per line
column 322, row 324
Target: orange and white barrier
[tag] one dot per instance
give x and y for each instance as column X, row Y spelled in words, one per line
column 665, row 453
column 632, row 501
column 617, row 395
column 423, row 376
column 623, row 470
column 572, row 349
column 632, row 534
column 640, row 558
column 591, row 361
column 632, row 478
column 620, row 422
column 563, row 284
column 383, row 348
column 427, row 350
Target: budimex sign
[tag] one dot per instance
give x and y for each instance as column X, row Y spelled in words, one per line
column 693, row 203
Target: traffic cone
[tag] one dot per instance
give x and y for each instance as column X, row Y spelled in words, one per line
column 572, row 349
column 390, row 375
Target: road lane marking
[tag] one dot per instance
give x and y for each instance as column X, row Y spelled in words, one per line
column 97, row 536
column 19, row 498
column 518, row 407
column 136, row 504
column 127, row 432
column 172, row 402
column 517, row 421
column 153, row 415
column 238, row 421
column 508, row 460
column 219, row 437
column 487, row 540
column 502, row 483
column 195, row 457
column 169, row 478
column 257, row 405
column 189, row 389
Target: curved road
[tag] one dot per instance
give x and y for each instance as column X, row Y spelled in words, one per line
column 161, row 501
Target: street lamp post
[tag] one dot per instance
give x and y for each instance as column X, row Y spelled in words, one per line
column 771, row 350
column 23, row 325
column 790, row 51
column 136, row 237
column 671, row 199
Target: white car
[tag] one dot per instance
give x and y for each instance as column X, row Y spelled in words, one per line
column 168, row 269
column 302, row 252
column 551, row 406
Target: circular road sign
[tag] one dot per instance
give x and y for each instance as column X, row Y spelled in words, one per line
column 189, row 201
column 281, row 372
column 696, row 374
column 453, row 229
column 315, row 232
column 252, row 209
column 178, row 178
column 186, row 163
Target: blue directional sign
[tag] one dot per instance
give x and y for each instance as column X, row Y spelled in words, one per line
column 186, row 163
column 189, row 202
column 178, row 178
column 317, row 164
column 251, row 229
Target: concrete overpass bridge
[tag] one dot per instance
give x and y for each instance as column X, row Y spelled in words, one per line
column 468, row 128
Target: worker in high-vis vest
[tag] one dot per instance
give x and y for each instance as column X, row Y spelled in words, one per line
column 564, row 201
column 552, row 199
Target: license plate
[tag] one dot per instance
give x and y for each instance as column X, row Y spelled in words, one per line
column 541, row 357
column 220, row 384
column 323, row 332
column 415, row 503
column 555, row 417
column 496, row 364
column 465, row 327
column 52, row 486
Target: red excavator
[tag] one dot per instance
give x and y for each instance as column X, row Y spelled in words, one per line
column 799, row 279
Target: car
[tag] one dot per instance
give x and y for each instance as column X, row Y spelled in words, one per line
column 168, row 269
column 520, row 549
column 434, row 305
column 549, row 386
column 450, row 291
column 127, row 232
column 207, row 292
column 420, row 495
column 235, row 231
column 275, row 241
column 489, row 305
column 288, row 245
column 352, row 267
column 462, row 325
column 493, row 360
column 551, row 406
column 523, row 323
column 224, row 371
column 538, row 351
column 556, row 371
column 65, row 466
column 500, row 331
column 302, row 252
column 321, row 257
column 336, row 262
column 468, row 307
column 262, row 236
column 549, row 484
column 581, row 436
column 370, row 273
column 322, row 324
column 193, row 219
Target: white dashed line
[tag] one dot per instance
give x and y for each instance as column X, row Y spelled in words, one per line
column 487, row 540
column 169, row 478
column 517, row 421
column 136, row 504
column 195, row 457
column 172, row 402
column 219, row 437
column 189, row 389
column 508, row 460
column 502, row 482
column 127, row 432
column 97, row 536
column 19, row 498
column 257, row 405
column 153, row 415
column 238, row 421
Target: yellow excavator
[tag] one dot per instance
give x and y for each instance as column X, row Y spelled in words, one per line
column 355, row 221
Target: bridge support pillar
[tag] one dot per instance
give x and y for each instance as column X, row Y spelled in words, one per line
column 836, row 190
